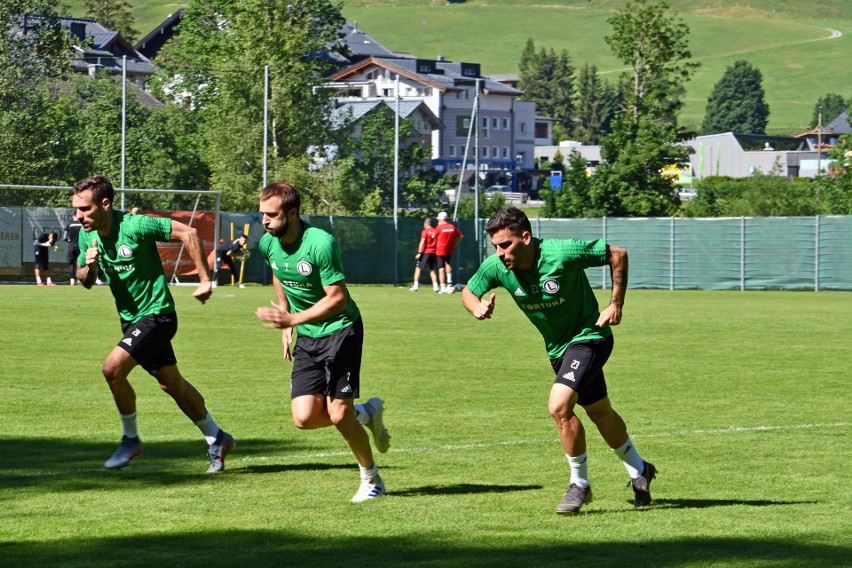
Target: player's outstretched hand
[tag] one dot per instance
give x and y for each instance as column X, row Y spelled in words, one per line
column 203, row 292
column 485, row 308
column 275, row 317
column 611, row 315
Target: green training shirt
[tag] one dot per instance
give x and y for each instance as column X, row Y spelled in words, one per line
column 131, row 262
column 303, row 268
column 555, row 294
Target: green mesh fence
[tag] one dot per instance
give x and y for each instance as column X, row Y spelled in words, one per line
column 793, row 253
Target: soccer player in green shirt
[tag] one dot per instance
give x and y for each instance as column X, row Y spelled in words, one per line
column 125, row 246
column 546, row 278
column 311, row 294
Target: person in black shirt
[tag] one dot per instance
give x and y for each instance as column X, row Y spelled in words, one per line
column 41, row 247
column 225, row 253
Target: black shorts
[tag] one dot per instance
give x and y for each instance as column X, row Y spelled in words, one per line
column 41, row 260
column 330, row 366
column 229, row 262
column 72, row 254
column 581, row 368
column 444, row 261
column 427, row 260
column 149, row 341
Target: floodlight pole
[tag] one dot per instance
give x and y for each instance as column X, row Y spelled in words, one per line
column 123, row 126
column 396, row 183
column 265, row 123
column 476, row 164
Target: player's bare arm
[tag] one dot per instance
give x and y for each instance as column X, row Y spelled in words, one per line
column 616, row 258
column 283, row 305
column 189, row 237
column 329, row 305
column 88, row 273
column 480, row 309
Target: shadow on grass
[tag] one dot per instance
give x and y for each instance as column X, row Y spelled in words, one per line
column 283, row 468
column 258, row 548
column 65, row 464
column 463, row 489
column 707, row 503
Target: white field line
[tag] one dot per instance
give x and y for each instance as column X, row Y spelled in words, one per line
column 453, row 447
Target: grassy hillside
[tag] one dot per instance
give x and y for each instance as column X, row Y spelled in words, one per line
column 800, row 47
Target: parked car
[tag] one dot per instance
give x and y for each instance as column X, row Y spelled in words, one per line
column 506, row 190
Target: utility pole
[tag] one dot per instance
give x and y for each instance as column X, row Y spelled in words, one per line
column 819, row 142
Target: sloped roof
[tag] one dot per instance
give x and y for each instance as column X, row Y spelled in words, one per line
column 151, row 44
column 356, row 109
column 105, row 47
column 362, row 45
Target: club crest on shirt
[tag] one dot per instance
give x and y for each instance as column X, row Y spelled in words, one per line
column 304, row 267
column 125, row 251
column 551, row 286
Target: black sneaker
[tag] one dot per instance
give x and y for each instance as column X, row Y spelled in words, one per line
column 218, row 450
column 642, row 485
column 575, row 497
column 128, row 449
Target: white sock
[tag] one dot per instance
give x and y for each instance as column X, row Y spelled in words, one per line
column 435, row 287
column 449, row 279
column 443, row 287
column 416, row 286
column 368, row 473
column 579, row 469
column 128, row 422
column 49, row 281
column 209, row 428
column 72, row 281
column 38, row 279
column 630, row 457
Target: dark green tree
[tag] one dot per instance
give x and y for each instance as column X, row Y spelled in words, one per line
column 737, row 102
column 595, row 106
column 831, row 106
column 548, row 80
column 218, row 59
column 644, row 137
column 114, row 15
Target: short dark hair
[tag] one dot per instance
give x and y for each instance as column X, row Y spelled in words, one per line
column 290, row 198
column 99, row 184
column 510, row 218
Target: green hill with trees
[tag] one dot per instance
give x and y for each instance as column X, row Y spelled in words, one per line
column 799, row 47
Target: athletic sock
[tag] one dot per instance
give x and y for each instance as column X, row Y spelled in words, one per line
column 368, row 473
column 416, row 286
column 38, row 279
column 128, row 422
column 579, row 469
column 435, row 287
column 633, row 462
column 209, row 428
column 443, row 287
column 49, row 281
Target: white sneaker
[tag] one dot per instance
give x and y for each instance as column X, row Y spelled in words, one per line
column 451, row 290
column 412, row 289
column 370, row 489
column 375, row 410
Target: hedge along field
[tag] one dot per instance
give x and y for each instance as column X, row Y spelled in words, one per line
column 739, row 398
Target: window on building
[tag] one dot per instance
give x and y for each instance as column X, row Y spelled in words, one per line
column 541, row 130
column 505, row 152
column 495, row 152
column 522, row 127
column 495, row 123
column 505, row 124
column 485, row 151
column 452, row 150
column 387, row 92
column 485, row 130
column 462, row 125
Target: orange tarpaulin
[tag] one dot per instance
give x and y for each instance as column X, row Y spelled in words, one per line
column 204, row 222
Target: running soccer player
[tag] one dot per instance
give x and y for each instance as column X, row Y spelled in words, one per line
column 125, row 247
column 312, row 297
column 546, row 278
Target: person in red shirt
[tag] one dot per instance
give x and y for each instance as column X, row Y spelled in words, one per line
column 448, row 237
column 426, row 255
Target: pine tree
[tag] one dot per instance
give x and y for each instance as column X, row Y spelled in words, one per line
column 831, row 105
column 737, row 102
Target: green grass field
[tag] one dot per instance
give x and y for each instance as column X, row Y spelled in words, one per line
column 740, row 399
